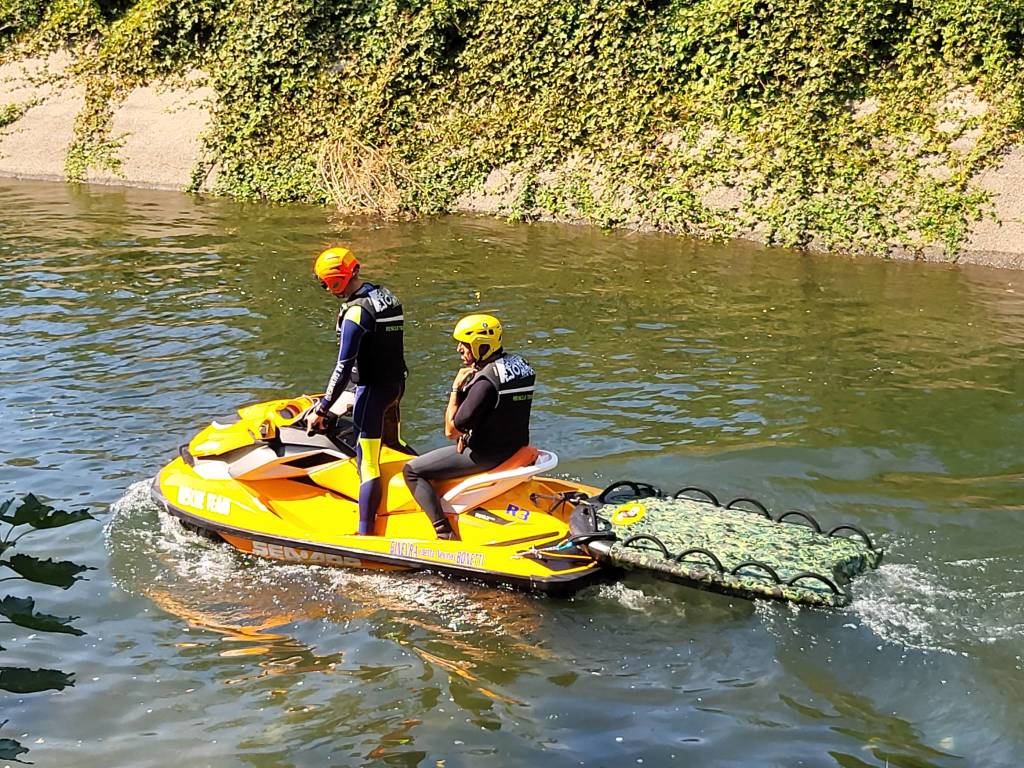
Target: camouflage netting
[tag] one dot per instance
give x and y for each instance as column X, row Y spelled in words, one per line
column 733, row 550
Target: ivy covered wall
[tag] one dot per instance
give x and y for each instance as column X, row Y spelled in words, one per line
column 858, row 125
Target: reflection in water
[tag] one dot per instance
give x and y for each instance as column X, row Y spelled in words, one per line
column 477, row 638
column 887, row 738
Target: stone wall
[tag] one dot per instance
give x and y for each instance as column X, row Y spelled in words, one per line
column 159, row 128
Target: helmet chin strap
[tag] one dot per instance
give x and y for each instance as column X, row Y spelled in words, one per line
column 484, row 358
column 353, row 284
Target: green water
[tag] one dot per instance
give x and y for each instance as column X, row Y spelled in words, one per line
column 888, row 394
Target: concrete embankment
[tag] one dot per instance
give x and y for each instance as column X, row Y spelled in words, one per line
column 157, row 129
column 157, row 142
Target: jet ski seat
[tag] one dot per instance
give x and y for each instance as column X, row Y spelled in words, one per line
column 467, row 492
column 470, row 492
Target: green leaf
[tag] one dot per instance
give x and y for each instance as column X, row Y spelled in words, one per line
column 30, row 508
column 57, row 574
column 24, row 680
column 21, row 611
column 10, row 749
column 39, row 515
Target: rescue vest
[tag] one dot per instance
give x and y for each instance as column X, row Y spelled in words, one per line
column 381, row 356
column 507, row 427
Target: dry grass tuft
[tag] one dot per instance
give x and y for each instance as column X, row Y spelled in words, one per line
column 363, row 179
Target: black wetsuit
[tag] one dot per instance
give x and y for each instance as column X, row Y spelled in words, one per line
column 371, row 353
column 494, row 409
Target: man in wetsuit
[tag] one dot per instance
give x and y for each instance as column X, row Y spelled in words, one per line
column 370, row 353
column 488, row 414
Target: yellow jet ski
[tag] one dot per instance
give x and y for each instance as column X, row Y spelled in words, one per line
column 268, row 488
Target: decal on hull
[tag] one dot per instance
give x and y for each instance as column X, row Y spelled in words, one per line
column 211, row 502
column 430, row 552
column 299, row 555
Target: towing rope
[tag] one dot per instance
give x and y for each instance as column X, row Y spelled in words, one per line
column 627, row 490
column 559, row 499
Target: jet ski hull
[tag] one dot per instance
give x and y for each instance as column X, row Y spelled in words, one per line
column 268, row 497
column 448, row 558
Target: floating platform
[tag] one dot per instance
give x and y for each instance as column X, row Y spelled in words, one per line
column 736, row 549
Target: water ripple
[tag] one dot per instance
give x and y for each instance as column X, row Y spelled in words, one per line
column 885, row 394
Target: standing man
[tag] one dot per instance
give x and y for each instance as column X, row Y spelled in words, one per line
column 488, row 415
column 371, row 354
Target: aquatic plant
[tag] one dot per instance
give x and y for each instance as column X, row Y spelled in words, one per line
column 33, row 515
column 858, row 125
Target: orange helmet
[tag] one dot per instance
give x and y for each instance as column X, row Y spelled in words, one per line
column 335, row 268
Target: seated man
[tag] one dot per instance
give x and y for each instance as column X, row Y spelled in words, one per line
column 488, row 415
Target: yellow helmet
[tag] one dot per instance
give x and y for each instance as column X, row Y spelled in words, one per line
column 335, row 268
column 481, row 332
